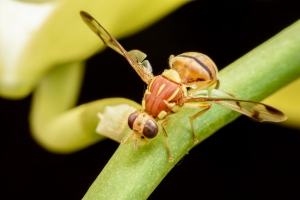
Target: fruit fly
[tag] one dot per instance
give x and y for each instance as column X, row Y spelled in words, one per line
column 190, row 82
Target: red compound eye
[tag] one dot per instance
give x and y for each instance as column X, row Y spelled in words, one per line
column 150, row 129
column 132, row 118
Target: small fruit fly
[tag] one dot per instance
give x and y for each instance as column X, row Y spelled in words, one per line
column 190, row 82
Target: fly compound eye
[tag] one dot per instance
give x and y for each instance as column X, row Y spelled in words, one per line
column 132, row 117
column 150, row 129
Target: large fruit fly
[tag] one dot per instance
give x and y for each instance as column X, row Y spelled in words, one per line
column 190, row 82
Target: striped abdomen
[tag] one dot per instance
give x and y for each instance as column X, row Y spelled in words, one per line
column 194, row 67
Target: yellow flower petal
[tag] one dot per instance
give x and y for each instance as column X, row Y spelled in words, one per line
column 288, row 101
column 61, row 36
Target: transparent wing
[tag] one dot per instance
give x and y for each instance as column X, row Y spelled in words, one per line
column 258, row 111
column 133, row 57
column 139, row 57
column 255, row 110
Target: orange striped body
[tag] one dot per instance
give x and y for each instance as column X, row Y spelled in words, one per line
column 194, row 68
column 162, row 95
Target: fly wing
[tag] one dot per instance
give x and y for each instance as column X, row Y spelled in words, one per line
column 255, row 110
column 144, row 72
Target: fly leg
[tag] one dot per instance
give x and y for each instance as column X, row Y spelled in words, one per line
column 134, row 139
column 207, row 86
column 128, row 138
column 217, row 88
column 217, row 84
column 206, row 107
column 163, row 124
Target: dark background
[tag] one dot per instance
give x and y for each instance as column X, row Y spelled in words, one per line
column 244, row 160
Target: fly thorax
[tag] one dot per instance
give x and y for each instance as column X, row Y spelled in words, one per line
column 172, row 75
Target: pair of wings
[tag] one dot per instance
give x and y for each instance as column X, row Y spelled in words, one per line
column 255, row 110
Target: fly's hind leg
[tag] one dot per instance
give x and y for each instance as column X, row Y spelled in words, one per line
column 217, row 84
column 163, row 124
column 206, row 107
column 204, row 86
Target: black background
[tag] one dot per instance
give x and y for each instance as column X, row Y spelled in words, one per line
column 244, row 160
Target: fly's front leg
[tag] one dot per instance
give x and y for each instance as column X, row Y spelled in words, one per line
column 135, row 144
column 128, row 138
column 206, row 107
column 163, row 124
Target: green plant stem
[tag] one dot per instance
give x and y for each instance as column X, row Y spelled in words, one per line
column 134, row 174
